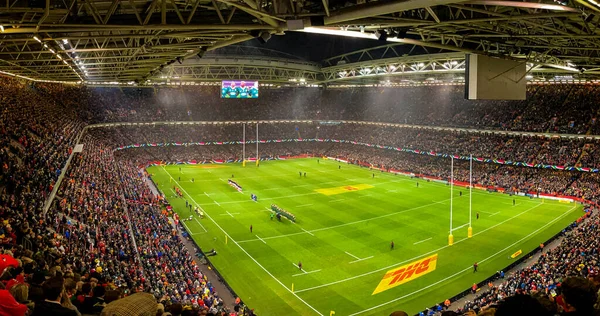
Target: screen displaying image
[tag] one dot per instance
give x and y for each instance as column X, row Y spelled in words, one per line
column 239, row 89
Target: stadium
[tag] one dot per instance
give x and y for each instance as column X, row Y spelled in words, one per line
column 299, row 158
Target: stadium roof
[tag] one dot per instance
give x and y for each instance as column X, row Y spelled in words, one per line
column 161, row 40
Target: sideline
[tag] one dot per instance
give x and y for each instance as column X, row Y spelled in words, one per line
column 242, row 248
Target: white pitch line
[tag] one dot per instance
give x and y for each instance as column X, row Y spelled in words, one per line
column 306, row 231
column 217, row 203
column 189, row 230
column 338, row 200
column 222, row 179
column 351, row 255
column 424, row 240
column 309, row 272
column 346, row 224
column 303, row 205
column 351, row 262
column 246, row 252
column 463, row 270
column 285, row 196
column 200, row 224
column 416, row 257
column 494, row 214
column 230, row 214
column 485, row 212
column 261, row 239
column 206, row 194
column 295, row 265
column 459, row 227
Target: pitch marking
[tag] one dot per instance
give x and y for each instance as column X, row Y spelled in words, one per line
column 246, row 252
column 206, row 231
column 351, row 262
column 463, row 270
column 189, row 230
column 345, row 224
column 351, row 255
column 416, row 257
column 424, row 240
column 306, row 231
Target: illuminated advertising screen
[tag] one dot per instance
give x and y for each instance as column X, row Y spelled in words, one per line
column 239, row 89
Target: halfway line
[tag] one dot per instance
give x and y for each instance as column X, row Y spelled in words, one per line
column 246, row 252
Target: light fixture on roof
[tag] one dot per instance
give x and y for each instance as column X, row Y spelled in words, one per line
column 52, row 51
column 37, row 39
column 65, row 41
column 2, row 28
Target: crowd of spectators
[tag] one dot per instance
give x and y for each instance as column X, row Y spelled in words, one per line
column 553, row 108
column 564, row 279
column 105, row 241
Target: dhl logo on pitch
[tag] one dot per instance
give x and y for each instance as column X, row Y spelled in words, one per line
column 344, row 189
column 406, row 273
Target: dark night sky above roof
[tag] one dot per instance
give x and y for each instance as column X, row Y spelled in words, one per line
column 314, row 47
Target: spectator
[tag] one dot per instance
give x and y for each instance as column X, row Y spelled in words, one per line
column 53, row 292
column 580, row 295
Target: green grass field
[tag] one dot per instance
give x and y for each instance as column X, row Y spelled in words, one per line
column 342, row 235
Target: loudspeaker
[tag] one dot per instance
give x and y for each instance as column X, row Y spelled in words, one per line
column 295, row 25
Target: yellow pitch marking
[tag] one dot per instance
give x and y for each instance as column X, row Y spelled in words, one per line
column 344, row 189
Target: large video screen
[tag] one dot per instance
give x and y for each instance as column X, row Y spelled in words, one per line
column 239, row 89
